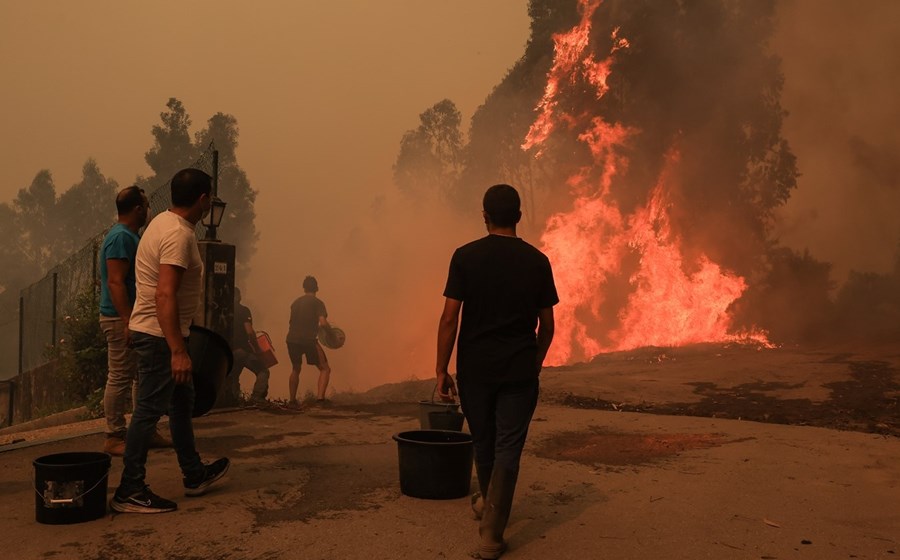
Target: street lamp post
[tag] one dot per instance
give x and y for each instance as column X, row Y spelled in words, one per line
column 214, row 219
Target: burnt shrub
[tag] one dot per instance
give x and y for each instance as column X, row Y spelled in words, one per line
column 791, row 300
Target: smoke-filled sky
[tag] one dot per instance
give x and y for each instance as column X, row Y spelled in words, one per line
column 323, row 91
column 841, row 62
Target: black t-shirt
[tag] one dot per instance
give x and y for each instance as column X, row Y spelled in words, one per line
column 502, row 282
column 241, row 316
column 305, row 313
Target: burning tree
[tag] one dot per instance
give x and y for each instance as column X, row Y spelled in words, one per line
column 646, row 136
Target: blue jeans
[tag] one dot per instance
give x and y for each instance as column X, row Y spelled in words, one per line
column 157, row 395
column 498, row 415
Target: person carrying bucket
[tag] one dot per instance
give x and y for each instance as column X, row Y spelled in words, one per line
column 247, row 352
column 308, row 314
column 169, row 273
column 505, row 290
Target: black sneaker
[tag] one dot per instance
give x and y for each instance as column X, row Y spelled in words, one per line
column 143, row 501
column 213, row 473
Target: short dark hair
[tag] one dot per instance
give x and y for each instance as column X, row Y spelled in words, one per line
column 310, row 284
column 128, row 199
column 502, row 204
column 188, row 185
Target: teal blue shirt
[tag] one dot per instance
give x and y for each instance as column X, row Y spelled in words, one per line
column 119, row 243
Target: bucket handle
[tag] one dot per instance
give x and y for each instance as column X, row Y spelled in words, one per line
column 434, row 392
column 70, row 500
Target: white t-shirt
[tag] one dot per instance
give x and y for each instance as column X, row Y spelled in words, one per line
column 169, row 239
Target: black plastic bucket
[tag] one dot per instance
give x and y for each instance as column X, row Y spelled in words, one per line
column 70, row 487
column 211, row 361
column 446, row 420
column 434, row 464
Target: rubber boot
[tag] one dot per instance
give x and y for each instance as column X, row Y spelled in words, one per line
column 483, row 472
column 497, row 506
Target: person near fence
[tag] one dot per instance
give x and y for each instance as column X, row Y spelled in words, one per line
column 169, row 274
column 505, row 290
column 246, row 352
column 308, row 314
column 117, row 293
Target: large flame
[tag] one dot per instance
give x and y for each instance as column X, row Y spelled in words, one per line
column 668, row 302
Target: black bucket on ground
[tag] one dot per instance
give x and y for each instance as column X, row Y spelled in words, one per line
column 70, row 487
column 434, row 464
column 211, row 361
column 446, row 420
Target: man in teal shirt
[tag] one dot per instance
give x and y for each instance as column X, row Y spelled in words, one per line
column 117, row 295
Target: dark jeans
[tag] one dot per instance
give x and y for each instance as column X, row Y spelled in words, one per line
column 246, row 359
column 157, row 395
column 498, row 416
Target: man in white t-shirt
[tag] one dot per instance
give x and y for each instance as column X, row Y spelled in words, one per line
column 169, row 273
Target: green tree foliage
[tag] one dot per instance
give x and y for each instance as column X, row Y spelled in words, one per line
column 16, row 269
column 172, row 147
column 81, row 354
column 430, row 158
column 43, row 228
column 173, row 150
column 35, row 210
column 85, row 209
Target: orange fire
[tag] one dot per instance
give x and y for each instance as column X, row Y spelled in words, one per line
column 667, row 301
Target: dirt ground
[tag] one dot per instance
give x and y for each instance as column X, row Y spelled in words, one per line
column 818, row 387
column 638, row 455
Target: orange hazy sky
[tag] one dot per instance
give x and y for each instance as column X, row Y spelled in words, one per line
column 312, row 84
column 323, row 92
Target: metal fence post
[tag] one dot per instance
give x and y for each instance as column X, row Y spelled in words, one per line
column 95, row 273
column 53, row 313
column 215, row 173
column 21, row 331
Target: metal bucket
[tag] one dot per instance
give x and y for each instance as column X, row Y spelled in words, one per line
column 70, row 487
column 332, row 337
column 426, row 407
column 434, row 464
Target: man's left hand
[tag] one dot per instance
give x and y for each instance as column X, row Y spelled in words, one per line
column 181, row 367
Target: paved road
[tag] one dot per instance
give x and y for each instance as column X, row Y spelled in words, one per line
column 594, row 484
column 688, row 481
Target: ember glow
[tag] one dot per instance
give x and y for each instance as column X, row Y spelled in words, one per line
column 623, row 280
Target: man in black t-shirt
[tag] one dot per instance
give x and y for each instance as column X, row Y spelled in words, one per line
column 308, row 315
column 246, row 353
column 505, row 289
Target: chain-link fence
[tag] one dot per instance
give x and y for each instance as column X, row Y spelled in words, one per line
column 44, row 305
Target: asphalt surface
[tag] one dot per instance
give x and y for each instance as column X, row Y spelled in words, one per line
column 597, row 481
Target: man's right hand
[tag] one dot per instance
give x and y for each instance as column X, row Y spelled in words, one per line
column 182, row 368
column 446, row 387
